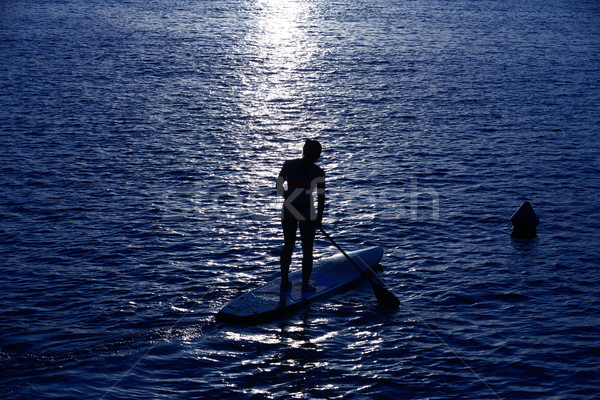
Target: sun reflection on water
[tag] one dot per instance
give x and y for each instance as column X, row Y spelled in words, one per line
column 279, row 50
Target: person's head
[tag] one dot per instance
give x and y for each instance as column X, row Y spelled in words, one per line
column 311, row 150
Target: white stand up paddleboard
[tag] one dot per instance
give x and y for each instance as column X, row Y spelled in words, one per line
column 328, row 276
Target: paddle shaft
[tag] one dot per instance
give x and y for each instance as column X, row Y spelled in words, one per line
column 340, row 249
column 383, row 295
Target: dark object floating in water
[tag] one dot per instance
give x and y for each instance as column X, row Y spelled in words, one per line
column 525, row 221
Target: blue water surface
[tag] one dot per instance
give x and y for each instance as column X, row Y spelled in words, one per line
column 139, row 146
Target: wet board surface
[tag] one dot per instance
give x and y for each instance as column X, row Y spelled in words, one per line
column 329, row 275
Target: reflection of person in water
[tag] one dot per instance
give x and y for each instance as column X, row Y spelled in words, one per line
column 302, row 175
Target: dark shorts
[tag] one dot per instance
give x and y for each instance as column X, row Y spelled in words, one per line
column 303, row 213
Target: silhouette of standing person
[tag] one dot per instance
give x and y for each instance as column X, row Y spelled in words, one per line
column 302, row 176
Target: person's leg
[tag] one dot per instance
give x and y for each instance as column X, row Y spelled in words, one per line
column 307, row 234
column 289, row 225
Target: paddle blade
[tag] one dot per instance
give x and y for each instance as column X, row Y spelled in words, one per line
column 384, row 296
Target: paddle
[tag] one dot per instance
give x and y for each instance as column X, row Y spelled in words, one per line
column 384, row 296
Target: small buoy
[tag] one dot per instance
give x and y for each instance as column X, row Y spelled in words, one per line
column 525, row 221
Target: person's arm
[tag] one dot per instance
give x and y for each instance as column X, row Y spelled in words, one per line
column 320, row 200
column 280, row 189
column 280, row 179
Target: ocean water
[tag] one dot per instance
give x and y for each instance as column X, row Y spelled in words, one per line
column 139, row 146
